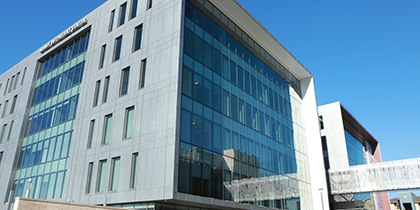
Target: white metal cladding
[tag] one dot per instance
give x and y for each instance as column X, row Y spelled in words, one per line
column 384, row 176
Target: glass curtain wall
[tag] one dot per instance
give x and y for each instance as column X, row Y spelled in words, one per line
column 48, row 135
column 241, row 134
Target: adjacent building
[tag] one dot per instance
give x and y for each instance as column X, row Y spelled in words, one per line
column 162, row 104
column 345, row 143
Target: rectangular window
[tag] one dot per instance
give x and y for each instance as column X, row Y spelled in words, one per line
column 17, row 79
column 12, row 83
column 89, row 177
column 122, row 14
column 142, row 74
column 101, row 176
column 3, row 132
column 115, row 168
column 111, row 21
column 133, row 176
column 12, row 108
column 128, row 122
column 137, row 37
column 149, row 4
column 10, row 131
column 5, row 109
column 102, row 59
column 1, row 157
column 107, row 129
column 96, row 96
column 125, row 75
column 5, row 88
column 106, row 88
column 117, row 50
column 321, row 122
column 133, row 9
column 91, row 130
column 23, row 76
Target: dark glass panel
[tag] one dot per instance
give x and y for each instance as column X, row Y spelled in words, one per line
column 197, row 130
column 217, row 98
column 187, row 82
column 208, row 55
column 217, row 61
column 198, row 49
column 189, row 42
column 233, row 76
column 198, row 88
column 217, row 138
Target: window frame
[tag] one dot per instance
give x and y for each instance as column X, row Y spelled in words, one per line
column 136, row 32
column 12, row 107
column 134, row 167
column 106, row 89
column 23, row 76
column 96, row 93
column 5, row 108
column 149, row 4
column 142, row 76
column 90, row 134
column 89, row 178
column 133, row 9
column 104, row 132
column 123, row 85
column 126, row 122
column 111, row 21
column 10, row 131
column 3, row 131
column 117, row 47
column 114, row 171
column 121, row 17
column 101, row 173
column 102, row 58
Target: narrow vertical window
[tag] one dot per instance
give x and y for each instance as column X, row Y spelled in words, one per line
column 101, row 176
column 133, row 9
column 16, row 81
column 137, row 37
column 5, row 109
column 1, row 157
column 133, row 176
column 91, row 130
column 23, row 76
column 102, row 59
column 96, row 96
column 107, row 129
column 115, row 168
column 125, row 75
column 10, row 131
column 89, row 177
column 111, row 20
column 106, row 88
column 128, row 122
column 3, row 131
column 142, row 74
column 122, row 14
column 5, row 88
column 117, row 50
column 149, row 4
column 12, row 83
column 12, row 108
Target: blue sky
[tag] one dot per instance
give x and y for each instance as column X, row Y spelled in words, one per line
column 365, row 54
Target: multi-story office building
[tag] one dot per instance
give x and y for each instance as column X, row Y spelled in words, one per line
column 345, row 143
column 162, row 104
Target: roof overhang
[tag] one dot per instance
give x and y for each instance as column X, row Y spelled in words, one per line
column 254, row 29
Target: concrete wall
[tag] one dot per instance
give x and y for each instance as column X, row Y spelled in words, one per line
column 155, row 105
